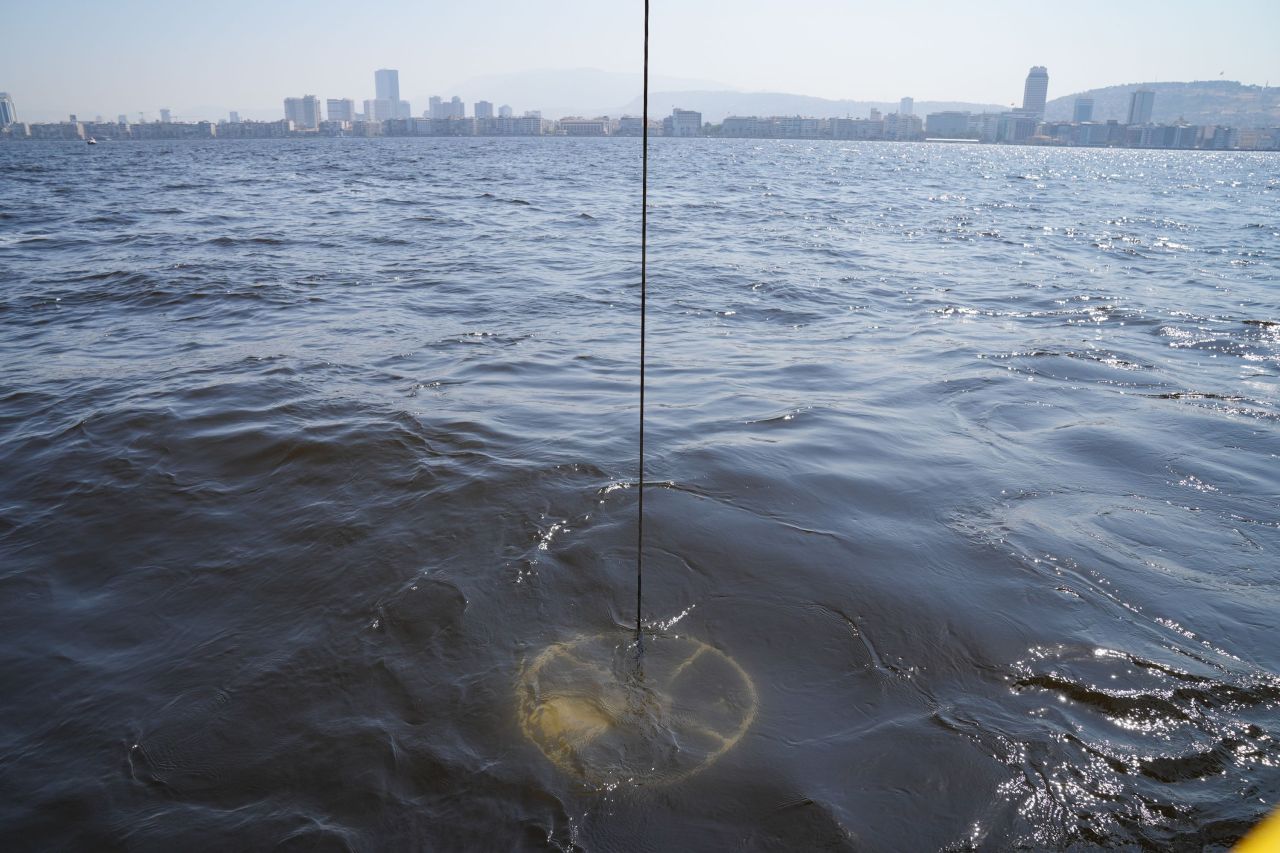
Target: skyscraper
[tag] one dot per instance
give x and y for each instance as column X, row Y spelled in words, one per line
column 457, row 109
column 165, row 115
column 484, row 109
column 906, row 106
column 1083, row 111
column 504, row 111
column 340, row 109
column 386, row 84
column 235, row 117
column 436, row 108
column 1036, row 91
column 1140, row 104
column 304, row 112
column 8, row 112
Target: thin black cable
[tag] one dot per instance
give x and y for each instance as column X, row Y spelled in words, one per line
column 644, row 294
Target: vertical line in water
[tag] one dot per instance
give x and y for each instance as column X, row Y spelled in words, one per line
column 644, row 294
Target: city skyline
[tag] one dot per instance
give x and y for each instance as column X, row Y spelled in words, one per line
column 818, row 47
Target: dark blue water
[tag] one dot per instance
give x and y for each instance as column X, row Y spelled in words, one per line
column 969, row 456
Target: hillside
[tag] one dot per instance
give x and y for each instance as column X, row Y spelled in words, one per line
column 1199, row 102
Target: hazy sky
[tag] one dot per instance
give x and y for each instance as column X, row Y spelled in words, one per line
column 114, row 56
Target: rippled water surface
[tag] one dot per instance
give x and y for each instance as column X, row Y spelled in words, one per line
column 969, row 457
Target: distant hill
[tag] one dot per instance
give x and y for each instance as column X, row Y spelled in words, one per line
column 1199, row 102
column 715, row 105
column 559, row 92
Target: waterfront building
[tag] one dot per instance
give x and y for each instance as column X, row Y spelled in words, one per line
column 576, row 126
column 857, row 128
column 304, row 112
column 1036, row 91
column 340, row 109
column 58, row 130
column 165, row 116
column 255, row 129
column 8, row 112
column 386, row 87
column 527, row 125
column 743, row 127
column 903, row 127
column 1140, row 104
column 234, row 118
column 948, row 124
column 124, row 119
column 1083, row 111
column 504, row 111
column 876, row 116
column 683, row 123
column 634, row 126
column 795, row 127
column 907, row 106
column 1016, row 126
column 483, row 110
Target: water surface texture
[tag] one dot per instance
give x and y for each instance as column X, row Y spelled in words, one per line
column 968, row 456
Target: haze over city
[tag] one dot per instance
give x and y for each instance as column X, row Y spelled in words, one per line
column 202, row 60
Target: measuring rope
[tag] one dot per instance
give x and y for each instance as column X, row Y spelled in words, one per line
column 644, row 257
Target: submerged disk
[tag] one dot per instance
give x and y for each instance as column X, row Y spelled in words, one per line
column 602, row 710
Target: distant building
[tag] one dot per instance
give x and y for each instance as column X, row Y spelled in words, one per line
column 124, row 119
column 1016, row 126
column 903, row 127
column 234, row 118
column 907, row 106
column 386, row 87
column 634, row 126
column 457, row 109
column 504, row 111
column 949, row 124
column 304, row 112
column 165, row 116
column 1083, row 111
column 484, row 110
column 8, row 112
column 574, row 126
column 740, row 127
column 1140, row 104
column 526, row 125
column 340, row 109
column 683, row 123
column 857, row 128
column 61, row 130
column 1036, row 91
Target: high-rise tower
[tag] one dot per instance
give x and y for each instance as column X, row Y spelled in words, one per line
column 8, row 112
column 1083, row 110
column 386, row 84
column 1140, row 104
column 1036, row 91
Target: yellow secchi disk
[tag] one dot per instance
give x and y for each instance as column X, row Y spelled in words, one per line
column 603, row 711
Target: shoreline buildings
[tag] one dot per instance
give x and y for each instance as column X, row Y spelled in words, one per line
column 1021, row 126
